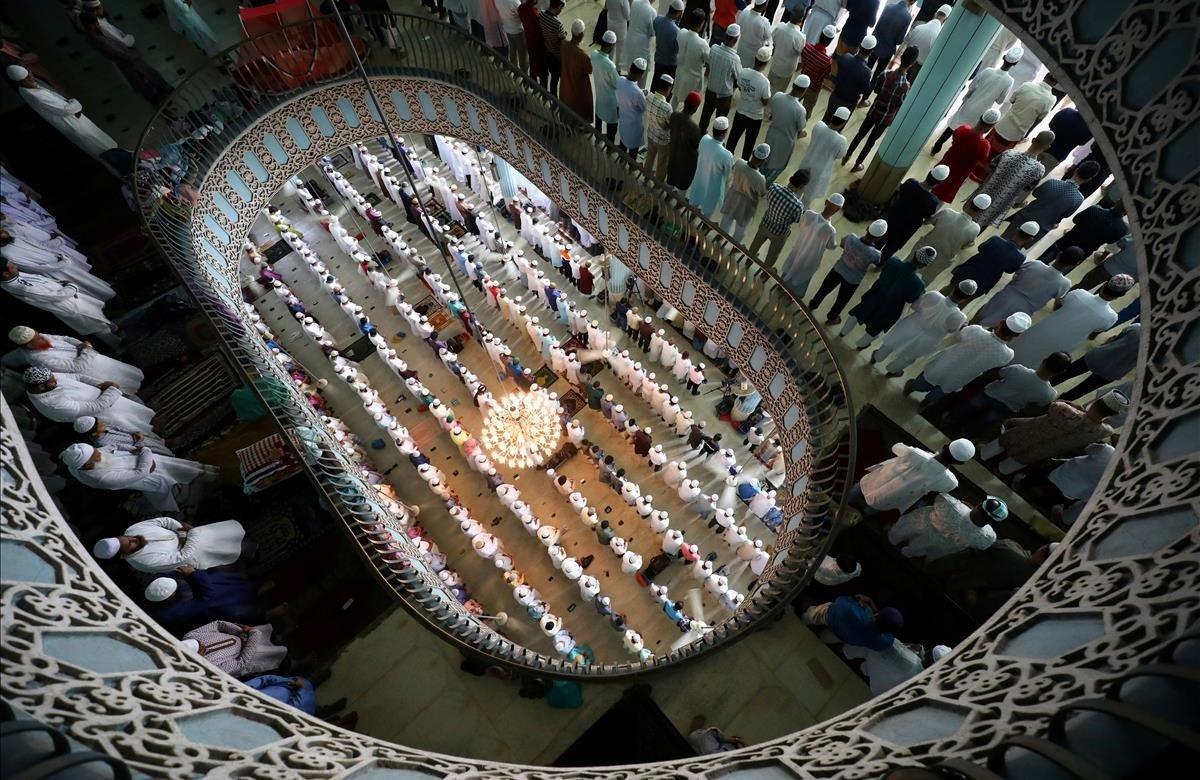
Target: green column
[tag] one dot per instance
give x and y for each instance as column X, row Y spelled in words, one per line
column 960, row 45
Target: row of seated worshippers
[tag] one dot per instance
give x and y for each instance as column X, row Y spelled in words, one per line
column 631, row 560
column 44, row 268
column 484, row 544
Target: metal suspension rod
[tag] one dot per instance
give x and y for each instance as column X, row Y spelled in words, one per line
column 362, row 74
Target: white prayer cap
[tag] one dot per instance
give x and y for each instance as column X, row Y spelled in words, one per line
column 1018, row 322
column 836, row 199
column 1030, row 228
column 16, row 73
column 577, row 27
column 609, row 37
column 1014, row 55
column 721, row 123
column 733, row 31
column 939, row 652
column 1115, row 400
column 762, row 151
column 667, row 78
column 878, row 228
column 868, row 43
column 982, row 201
column 76, row 455
column 106, row 548
column 161, row 589
column 84, row 424
column 191, row 645
column 640, row 63
column 829, row 31
column 801, row 82
column 944, row 10
column 940, row 172
column 962, row 450
column 677, row 5
column 21, row 335
column 843, row 113
column 968, row 287
column 764, row 52
column 990, row 117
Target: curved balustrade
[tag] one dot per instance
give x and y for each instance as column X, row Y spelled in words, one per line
column 463, row 89
column 1122, row 583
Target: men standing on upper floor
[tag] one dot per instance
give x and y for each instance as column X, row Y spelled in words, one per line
column 641, row 30
column 1013, row 177
column 67, row 355
column 997, row 256
column 514, row 31
column 1031, row 103
column 666, row 40
column 553, row 36
column 816, row 63
column 724, row 67
column 747, row 186
column 788, row 118
column 754, row 93
column 531, row 20
column 784, row 209
column 852, row 83
column 63, row 114
column 787, row 44
column 826, row 146
column 691, row 60
column 756, row 32
column 912, row 206
column 1095, row 226
column 658, row 131
column 987, row 90
column 685, row 143
column 889, row 33
column 977, row 351
column 815, row 235
column 618, row 24
column 1056, row 199
column 969, row 149
column 923, row 36
column 860, row 16
column 1110, row 362
column 575, row 89
column 1034, row 284
column 713, row 164
column 631, row 104
column 858, row 255
column 1077, row 316
column 891, row 88
column 77, row 310
column 606, row 78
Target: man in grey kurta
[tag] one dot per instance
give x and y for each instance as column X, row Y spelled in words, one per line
column 788, row 118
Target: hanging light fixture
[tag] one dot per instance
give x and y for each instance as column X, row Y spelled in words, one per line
column 523, row 429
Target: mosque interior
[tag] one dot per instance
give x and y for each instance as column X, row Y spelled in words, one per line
column 342, row 257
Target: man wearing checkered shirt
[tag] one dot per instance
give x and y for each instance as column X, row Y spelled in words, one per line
column 784, row 208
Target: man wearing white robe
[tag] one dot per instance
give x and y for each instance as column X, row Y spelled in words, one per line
column 641, row 32
column 1079, row 314
column 901, row 481
column 65, row 400
column 67, row 355
column 155, row 476
column 947, row 527
column 826, row 146
column 917, row 334
column 78, row 311
column 50, row 240
column 63, row 114
column 104, row 436
column 32, row 258
column 162, row 544
column 1033, row 285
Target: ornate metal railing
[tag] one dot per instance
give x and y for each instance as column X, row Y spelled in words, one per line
column 265, row 122
column 1123, row 581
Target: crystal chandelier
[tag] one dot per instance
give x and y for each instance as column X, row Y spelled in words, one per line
column 521, row 430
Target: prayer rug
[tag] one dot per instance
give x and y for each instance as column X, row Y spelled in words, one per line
column 572, row 402
column 545, row 376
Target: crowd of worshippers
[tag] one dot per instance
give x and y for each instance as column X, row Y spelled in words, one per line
column 192, row 583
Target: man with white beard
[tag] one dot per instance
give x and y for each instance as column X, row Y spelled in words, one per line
column 155, row 476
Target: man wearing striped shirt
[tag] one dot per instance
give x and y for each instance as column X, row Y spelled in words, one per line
column 784, row 209
column 553, row 36
column 724, row 67
column 815, row 63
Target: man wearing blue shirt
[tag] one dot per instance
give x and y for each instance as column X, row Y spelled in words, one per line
column 852, row 83
column 855, row 620
column 631, row 107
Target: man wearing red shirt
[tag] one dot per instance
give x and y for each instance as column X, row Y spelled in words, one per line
column 725, row 14
column 968, row 149
column 815, row 63
column 531, row 20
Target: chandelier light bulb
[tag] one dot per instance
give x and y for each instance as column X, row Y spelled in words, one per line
column 523, row 429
